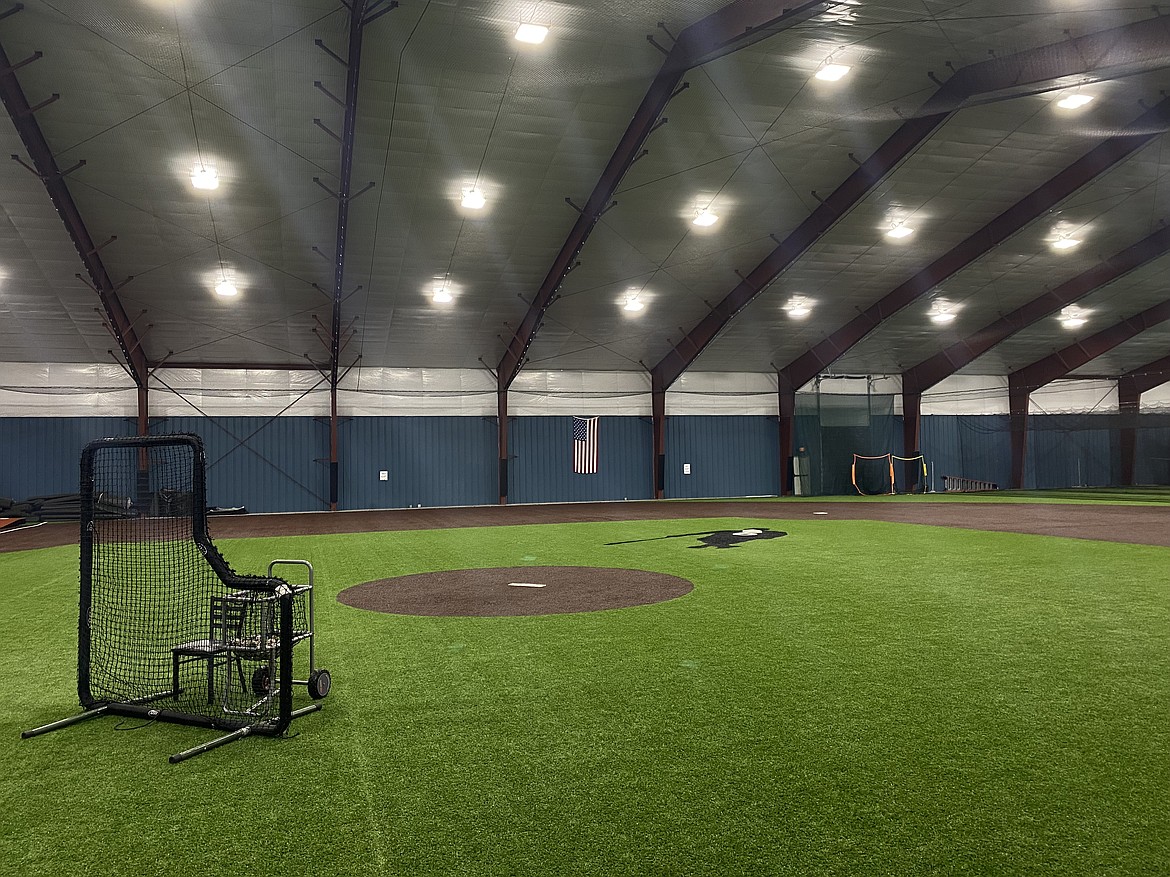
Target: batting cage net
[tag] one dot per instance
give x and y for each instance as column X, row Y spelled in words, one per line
column 167, row 629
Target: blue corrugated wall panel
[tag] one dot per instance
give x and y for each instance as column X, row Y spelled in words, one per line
column 429, row 461
column 438, row 461
column 729, row 455
column 541, row 464
column 967, row 446
column 39, row 456
column 266, row 464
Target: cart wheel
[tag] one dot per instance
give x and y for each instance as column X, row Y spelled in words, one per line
column 261, row 681
column 319, row 684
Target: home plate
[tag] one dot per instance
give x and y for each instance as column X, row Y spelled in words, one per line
column 524, row 585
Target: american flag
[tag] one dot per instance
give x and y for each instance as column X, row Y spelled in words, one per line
column 585, row 445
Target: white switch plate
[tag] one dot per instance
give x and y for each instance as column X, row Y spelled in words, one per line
column 686, row 468
column 383, row 475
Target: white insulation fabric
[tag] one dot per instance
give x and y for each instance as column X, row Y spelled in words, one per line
column 65, row 390
column 95, row 390
column 723, row 393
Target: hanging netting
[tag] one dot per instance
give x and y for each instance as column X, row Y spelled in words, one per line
column 830, row 428
column 1064, row 450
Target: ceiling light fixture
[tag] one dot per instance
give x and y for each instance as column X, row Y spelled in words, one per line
column 1074, row 101
column 798, row 306
column 900, row 230
column 204, row 176
column 941, row 311
column 1065, row 242
column 633, row 302
column 531, row 33
column 832, row 72
column 1072, row 317
column 705, row 218
column 440, row 291
column 226, row 289
column 473, row 198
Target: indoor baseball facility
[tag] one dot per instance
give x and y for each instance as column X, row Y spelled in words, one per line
column 524, row 437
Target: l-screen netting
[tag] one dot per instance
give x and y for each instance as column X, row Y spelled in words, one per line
column 889, row 473
column 151, row 588
column 873, row 474
column 910, row 474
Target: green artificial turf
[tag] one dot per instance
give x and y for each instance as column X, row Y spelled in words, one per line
column 857, row 698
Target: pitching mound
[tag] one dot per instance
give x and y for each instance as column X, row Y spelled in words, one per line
column 515, row 590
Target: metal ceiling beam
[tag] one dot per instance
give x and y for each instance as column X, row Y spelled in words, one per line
column 24, row 120
column 228, row 366
column 1044, row 371
column 1140, row 46
column 1146, row 377
column 1032, row 206
column 735, row 26
column 357, row 14
column 1059, row 364
column 942, row 365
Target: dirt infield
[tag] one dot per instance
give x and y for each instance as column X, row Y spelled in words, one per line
column 1143, row 525
column 515, row 590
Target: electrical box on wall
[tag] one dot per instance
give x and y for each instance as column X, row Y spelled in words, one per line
column 383, row 475
column 686, row 468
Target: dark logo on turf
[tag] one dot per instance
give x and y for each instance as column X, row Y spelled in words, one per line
column 717, row 538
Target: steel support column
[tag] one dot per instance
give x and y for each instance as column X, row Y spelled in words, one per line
column 1129, row 399
column 911, row 435
column 143, row 411
column 1018, row 417
column 658, row 427
column 502, row 423
column 1144, row 45
column 358, row 10
column 733, row 27
column 787, row 406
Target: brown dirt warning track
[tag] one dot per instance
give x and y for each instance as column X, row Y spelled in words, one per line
column 1143, row 525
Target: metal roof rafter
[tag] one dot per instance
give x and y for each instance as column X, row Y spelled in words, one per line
column 362, row 12
column 945, row 363
column 1059, row 364
column 1131, row 48
column 1051, row 368
column 24, row 120
column 1146, row 377
column 1107, row 154
column 735, row 26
